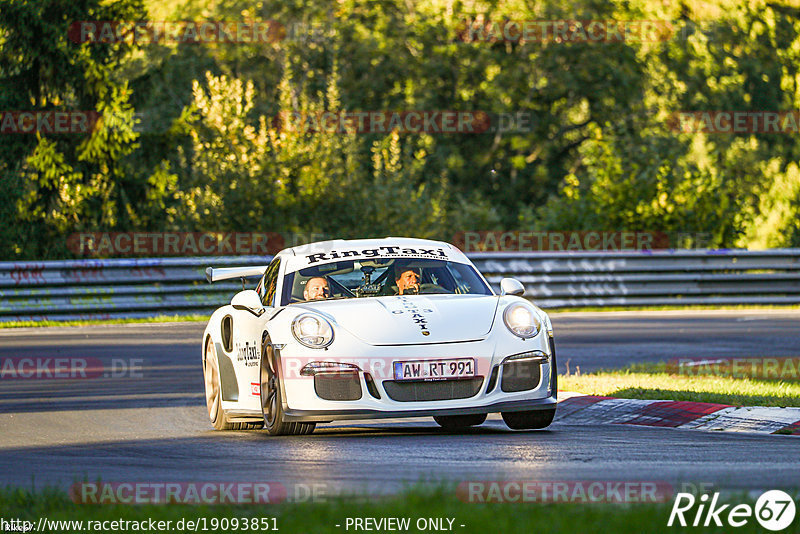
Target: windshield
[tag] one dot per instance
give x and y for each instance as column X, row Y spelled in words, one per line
column 377, row 277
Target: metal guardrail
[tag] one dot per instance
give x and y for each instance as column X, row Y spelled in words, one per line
column 114, row 288
column 650, row 278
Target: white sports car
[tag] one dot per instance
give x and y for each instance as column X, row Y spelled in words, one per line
column 372, row 328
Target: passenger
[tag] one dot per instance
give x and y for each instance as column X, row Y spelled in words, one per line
column 317, row 289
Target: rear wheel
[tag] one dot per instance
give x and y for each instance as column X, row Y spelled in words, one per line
column 529, row 420
column 271, row 405
column 459, row 421
column 214, row 394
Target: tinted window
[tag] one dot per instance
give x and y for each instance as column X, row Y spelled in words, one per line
column 376, row 277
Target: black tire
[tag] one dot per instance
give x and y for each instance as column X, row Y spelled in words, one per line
column 453, row 422
column 217, row 416
column 553, row 367
column 271, row 400
column 531, row 420
column 246, row 426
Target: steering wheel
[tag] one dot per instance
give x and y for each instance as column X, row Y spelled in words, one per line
column 432, row 288
column 427, row 288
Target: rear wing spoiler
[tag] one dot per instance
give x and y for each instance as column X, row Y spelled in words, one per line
column 226, row 273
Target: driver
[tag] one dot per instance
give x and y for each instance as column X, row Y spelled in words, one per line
column 316, row 288
column 407, row 280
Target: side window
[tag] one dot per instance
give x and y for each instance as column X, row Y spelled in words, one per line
column 462, row 285
column 270, row 283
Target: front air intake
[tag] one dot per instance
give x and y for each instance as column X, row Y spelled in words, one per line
column 520, row 375
column 437, row 390
column 344, row 386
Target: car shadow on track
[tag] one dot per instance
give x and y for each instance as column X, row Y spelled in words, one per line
column 413, row 429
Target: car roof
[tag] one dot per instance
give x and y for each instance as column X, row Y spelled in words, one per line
column 322, row 252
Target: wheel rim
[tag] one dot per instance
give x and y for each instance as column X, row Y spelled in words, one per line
column 272, row 400
column 269, row 391
column 212, row 384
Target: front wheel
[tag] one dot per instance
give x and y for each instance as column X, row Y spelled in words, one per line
column 531, row 420
column 271, row 404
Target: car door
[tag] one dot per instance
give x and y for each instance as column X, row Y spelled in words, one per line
column 247, row 330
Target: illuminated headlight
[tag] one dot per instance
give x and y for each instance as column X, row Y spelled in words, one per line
column 521, row 320
column 312, row 331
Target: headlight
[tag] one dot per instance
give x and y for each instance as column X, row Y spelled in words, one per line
column 521, row 320
column 312, row 331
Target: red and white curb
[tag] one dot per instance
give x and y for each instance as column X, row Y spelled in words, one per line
column 589, row 409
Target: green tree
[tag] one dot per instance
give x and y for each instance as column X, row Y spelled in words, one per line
column 246, row 174
column 53, row 184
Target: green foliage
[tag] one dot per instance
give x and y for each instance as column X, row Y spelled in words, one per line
column 61, row 183
column 191, row 139
column 777, row 222
column 641, row 175
column 254, row 173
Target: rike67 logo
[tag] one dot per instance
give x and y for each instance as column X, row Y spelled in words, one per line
column 774, row 510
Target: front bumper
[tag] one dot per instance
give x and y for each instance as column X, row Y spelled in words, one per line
column 302, row 404
column 310, row 416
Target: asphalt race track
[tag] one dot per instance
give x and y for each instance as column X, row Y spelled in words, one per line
column 151, row 425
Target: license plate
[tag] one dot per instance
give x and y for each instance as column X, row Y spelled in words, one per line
column 434, row 369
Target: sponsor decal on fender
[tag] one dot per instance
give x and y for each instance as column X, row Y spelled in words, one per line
column 247, row 353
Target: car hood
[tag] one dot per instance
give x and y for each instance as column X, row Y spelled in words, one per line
column 411, row 320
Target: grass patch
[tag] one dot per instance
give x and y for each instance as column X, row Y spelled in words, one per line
column 657, row 382
column 414, row 503
column 85, row 322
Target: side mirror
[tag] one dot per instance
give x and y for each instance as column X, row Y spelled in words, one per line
column 248, row 300
column 511, row 286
